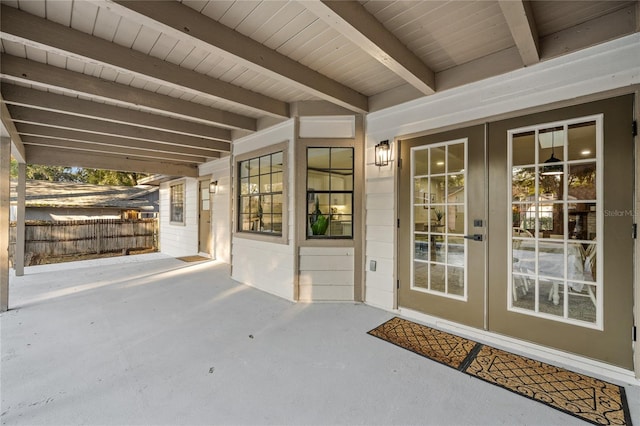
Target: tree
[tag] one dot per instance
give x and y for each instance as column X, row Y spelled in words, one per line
column 79, row 175
column 109, row 177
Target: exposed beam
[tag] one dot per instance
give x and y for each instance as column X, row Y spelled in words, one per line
column 70, row 158
column 110, row 149
column 65, row 121
column 17, row 147
column 22, row 96
column 187, row 24
column 354, row 22
column 522, row 25
column 22, row 70
column 30, row 28
column 115, row 141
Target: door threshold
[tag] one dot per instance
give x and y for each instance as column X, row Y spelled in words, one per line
column 541, row 353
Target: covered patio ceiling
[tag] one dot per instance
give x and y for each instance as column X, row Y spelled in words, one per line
column 163, row 86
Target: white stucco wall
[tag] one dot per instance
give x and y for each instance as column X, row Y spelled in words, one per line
column 220, row 170
column 179, row 240
column 268, row 266
column 602, row 68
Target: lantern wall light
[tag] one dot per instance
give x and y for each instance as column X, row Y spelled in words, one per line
column 213, row 187
column 382, row 153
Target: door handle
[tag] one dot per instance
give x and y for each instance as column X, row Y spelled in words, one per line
column 474, row 237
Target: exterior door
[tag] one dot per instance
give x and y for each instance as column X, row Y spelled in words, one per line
column 204, row 226
column 558, row 251
column 561, row 246
column 442, row 207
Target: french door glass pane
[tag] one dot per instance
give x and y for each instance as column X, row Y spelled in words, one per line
column 554, row 221
column 439, row 219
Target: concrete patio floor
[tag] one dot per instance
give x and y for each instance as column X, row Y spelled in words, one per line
column 149, row 339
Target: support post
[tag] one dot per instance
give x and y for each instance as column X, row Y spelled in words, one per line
column 5, row 173
column 18, row 256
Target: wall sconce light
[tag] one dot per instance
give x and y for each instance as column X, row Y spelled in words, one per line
column 213, row 187
column 382, row 153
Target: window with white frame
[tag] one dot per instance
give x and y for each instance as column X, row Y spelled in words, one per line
column 176, row 203
column 556, row 201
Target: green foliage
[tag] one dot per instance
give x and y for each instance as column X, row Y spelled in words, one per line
column 78, row 175
column 319, row 222
column 320, row 226
column 109, row 177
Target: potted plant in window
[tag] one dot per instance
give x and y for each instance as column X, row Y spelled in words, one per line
column 318, row 221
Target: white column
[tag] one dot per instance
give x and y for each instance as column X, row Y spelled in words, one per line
column 636, row 289
column 5, row 172
column 18, row 256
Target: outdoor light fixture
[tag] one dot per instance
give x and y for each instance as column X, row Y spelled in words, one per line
column 551, row 166
column 213, row 187
column 383, row 152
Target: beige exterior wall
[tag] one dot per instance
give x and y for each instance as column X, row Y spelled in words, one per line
column 179, row 240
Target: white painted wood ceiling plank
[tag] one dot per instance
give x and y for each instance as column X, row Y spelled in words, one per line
column 194, row 58
column 35, row 54
column 163, row 46
column 297, row 47
column 83, row 16
column 290, row 30
column 273, row 23
column 180, row 52
column 124, row 78
column 126, row 33
column 60, row 11
column 34, row 7
column 145, row 40
column 108, row 74
column 257, row 18
column 216, row 9
column 56, row 60
column 107, row 24
column 14, row 49
column 552, row 17
column 195, row 4
column 235, row 14
column 75, row 65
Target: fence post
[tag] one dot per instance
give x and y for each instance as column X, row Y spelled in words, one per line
column 98, row 230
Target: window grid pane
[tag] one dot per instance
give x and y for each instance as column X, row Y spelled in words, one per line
column 555, row 210
column 330, row 192
column 260, row 200
column 439, row 201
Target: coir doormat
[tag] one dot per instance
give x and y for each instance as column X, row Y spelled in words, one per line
column 589, row 399
column 193, row 258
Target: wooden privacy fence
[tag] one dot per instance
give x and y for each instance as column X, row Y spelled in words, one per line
column 82, row 237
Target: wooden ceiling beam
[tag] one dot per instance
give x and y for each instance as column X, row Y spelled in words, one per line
column 118, row 142
column 354, row 22
column 24, row 27
column 522, row 25
column 184, row 23
column 17, row 147
column 23, row 70
column 22, row 96
column 65, row 121
column 47, row 156
column 109, row 149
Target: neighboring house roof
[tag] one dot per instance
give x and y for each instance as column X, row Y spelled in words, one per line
column 40, row 193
